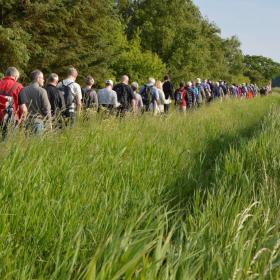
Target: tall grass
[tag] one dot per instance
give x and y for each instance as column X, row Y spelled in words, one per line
column 181, row 197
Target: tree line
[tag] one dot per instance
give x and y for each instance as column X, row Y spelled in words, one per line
column 108, row 38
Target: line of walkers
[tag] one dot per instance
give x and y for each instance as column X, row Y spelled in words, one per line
column 38, row 107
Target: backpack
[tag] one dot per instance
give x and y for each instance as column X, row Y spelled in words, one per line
column 68, row 96
column 6, row 105
column 147, row 95
column 87, row 97
column 179, row 96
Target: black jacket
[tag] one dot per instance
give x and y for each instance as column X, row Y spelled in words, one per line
column 56, row 99
column 168, row 89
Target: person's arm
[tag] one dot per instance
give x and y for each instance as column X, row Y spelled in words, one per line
column 95, row 99
column 156, row 94
column 46, row 108
column 78, row 98
column 115, row 102
column 23, row 111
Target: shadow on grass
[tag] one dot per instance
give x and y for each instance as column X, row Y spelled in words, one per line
column 201, row 175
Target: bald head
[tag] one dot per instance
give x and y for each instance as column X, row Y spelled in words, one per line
column 125, row 79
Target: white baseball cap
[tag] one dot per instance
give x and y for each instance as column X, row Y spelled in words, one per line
column 109, row 82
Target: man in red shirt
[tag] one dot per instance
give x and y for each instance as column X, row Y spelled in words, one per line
column 9, row 95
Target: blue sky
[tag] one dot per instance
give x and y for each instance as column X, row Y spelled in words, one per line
column 255, row 22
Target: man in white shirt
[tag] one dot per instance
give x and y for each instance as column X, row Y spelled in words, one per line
column 107, row 97
column 73, row 99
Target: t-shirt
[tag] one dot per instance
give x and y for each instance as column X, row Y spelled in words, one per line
column 36, row 100
column 107, row 97
column 89, row 97
column 75, row 89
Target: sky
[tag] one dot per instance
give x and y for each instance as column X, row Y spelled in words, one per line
column 255, row 22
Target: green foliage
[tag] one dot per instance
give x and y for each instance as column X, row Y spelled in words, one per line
column 108, row 38
column 138, row 64
column 13, row 48
column 260, row 69
column 182, row 197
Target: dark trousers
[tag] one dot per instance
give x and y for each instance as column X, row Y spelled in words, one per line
column 166, row 108
column 69, row 118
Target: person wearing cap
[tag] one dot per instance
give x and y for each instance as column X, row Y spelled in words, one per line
column 138, row 102
column 107, row 97
column 150, row 95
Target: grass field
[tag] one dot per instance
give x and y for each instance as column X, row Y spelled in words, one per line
column 182, row 197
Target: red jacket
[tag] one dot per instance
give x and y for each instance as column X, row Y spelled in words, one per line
column 5, row 85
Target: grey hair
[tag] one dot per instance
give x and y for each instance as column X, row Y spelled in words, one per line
column 35, row 74
column 52, row 77
column 152, row 81
column 71, row 71
column 12, row 72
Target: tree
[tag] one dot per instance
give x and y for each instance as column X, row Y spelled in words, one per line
column 260, row 69
column 137, row 64
column 87, row 34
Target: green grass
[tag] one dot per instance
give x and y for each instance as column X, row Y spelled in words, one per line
column 182, row 197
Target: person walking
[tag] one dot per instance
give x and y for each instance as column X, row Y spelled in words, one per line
column 162, row 100
column 35, row 98
column 168, row 90
column 150, row 96
column 138, row 102
column 90, row 98
column 107, row 97
column 10, row 110
column 125, row 95
column 56, row 99
column 72, row 95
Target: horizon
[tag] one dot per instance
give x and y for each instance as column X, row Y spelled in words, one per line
column 257, row 37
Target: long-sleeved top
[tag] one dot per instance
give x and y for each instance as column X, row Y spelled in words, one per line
column 36, row 100
column 168, row 89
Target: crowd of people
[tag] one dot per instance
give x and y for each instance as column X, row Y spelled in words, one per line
column 40, row 106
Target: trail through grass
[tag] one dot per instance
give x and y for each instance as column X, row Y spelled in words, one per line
column 182, row 197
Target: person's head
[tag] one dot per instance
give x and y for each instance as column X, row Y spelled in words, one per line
column 217, row 83
column 125, row 79
column 189, row 84
column 134, row 86
column 159, row 84
column 12, row 72
column 198, row 81
column 166, row 78
column 37, row 76
column 182, row 84
column 72, row 73
column 89, row 81
column 109, row 84
column 53, row 79
column 151, row 81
